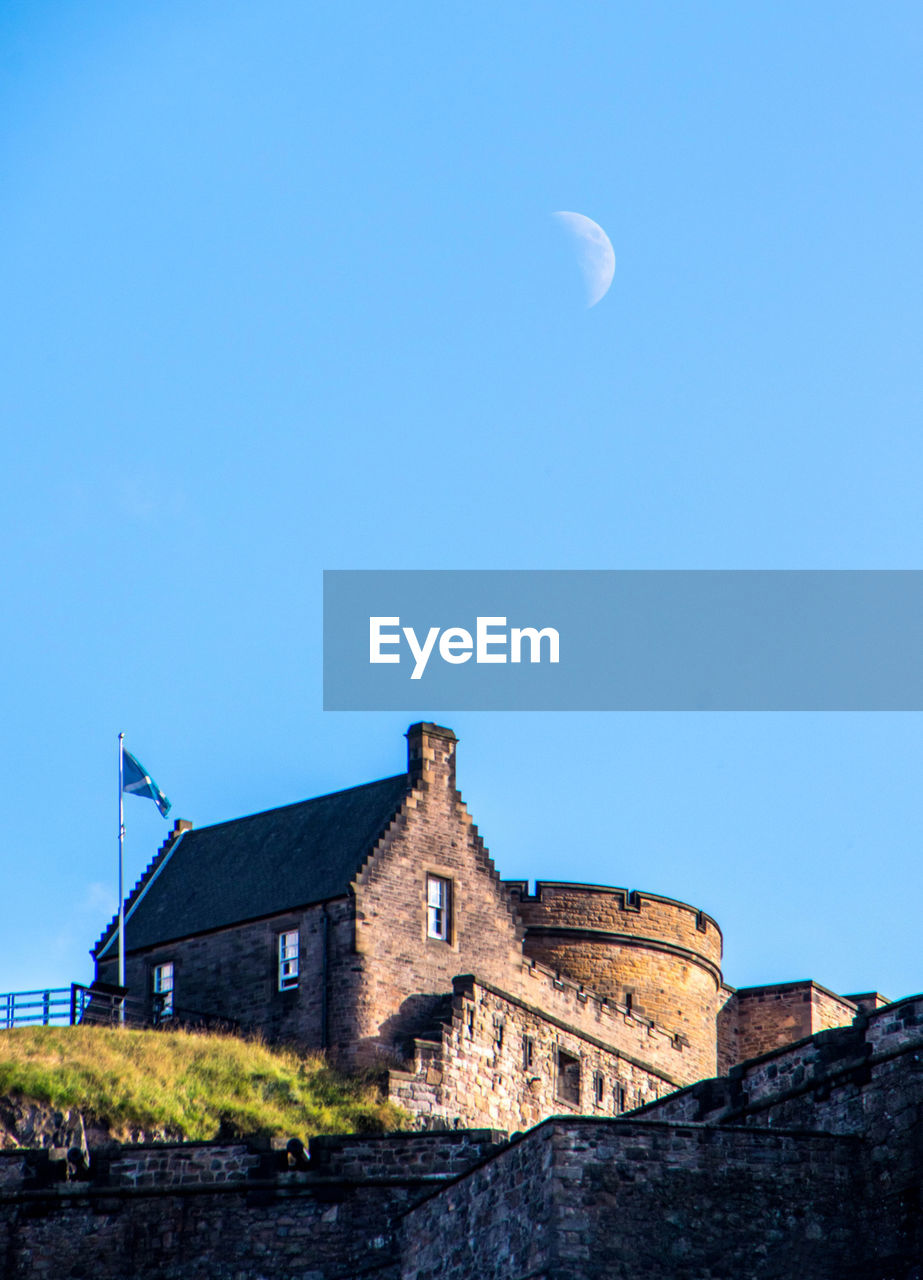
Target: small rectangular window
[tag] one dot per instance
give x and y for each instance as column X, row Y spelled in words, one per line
column 498, row 1032
column 288, row 960
column 568, row 1078
column 471, row 1021
column 599, row 1087
column 438, row 908
column 528, row 1052
column 163, row 991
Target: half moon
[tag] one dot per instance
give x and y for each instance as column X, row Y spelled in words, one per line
column 597, row 257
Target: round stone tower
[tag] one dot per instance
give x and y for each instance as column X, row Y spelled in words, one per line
column 658, row 958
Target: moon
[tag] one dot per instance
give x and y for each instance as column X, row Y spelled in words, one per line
column 597, row 257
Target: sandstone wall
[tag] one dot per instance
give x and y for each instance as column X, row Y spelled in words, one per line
column 755, row 1020
column 232, row 974
column 507, row 1063
column 499, row 1225
column 401, row 974
column 661, row 957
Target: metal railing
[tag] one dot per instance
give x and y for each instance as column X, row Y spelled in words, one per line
column 78, row 1005
column 51, row 1007
column 68, row 1007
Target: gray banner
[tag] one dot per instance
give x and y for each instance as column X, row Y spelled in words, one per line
column 621, row 640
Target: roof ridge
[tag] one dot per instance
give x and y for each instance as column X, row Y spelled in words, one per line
column 323, row 841
column 296, row 804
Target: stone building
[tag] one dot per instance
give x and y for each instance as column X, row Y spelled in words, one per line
column 371, row 923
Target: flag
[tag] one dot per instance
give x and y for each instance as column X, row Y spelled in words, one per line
column 137, row 782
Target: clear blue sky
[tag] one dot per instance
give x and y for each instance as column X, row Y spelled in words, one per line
column 282, row 292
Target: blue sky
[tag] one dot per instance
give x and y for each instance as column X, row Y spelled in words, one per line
column 282, row 292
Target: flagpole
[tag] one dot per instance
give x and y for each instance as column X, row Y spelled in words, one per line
column 121, row 860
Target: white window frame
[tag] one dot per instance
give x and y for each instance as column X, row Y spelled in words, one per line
column 289, row 947
column 438, row 908
column 164, row 987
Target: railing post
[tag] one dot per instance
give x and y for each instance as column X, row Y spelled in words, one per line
column 46, row 1003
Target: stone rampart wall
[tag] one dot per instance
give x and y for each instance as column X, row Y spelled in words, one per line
column 619, row 1200
column 497, row 1225
column 755, row 1192
column 222, row 1211
column 821, row 1080
column 643, row 915
column 509, row 1062
column 865, row 1080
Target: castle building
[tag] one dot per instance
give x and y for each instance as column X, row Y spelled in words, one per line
column 372, row 924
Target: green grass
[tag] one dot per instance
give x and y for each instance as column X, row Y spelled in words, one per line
column 188, row 1084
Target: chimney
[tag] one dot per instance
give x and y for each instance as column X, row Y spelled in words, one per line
column 431, row 754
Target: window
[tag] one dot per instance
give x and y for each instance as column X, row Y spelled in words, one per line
column 498, row 1033
column 470, row 1015
column 621, row 1097
column 629, row 1001
column 438, row 907
column 288, row 960
column 163, row 991
column 528, row 1052
column 599, row 1087
column 568, row 1078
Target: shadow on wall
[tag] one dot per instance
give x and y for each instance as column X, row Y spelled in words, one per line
column 419, row 1017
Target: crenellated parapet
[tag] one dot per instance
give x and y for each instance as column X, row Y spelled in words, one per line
column 658, row 957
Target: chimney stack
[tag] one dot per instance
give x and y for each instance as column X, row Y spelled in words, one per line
column 431, row 754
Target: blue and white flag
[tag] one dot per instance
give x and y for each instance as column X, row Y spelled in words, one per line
column 137, row 782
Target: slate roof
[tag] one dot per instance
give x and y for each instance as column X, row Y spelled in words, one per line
column 260, row 865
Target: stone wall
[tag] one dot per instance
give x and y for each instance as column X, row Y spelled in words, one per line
column 232, row 974
column 661, row 957
column 864, row 1080
column 755, row 1192
column 618, row 1200
column 213, row 1211
column 726, row 1178
column 497, row 1225
column 826, row 1079
column 755, row 1020
column 510, row 1063
column 401, row 976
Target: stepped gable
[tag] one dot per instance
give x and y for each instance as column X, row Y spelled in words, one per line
column 259, row 865
column 425, row 763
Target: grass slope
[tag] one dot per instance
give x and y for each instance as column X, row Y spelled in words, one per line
column 187, row 1084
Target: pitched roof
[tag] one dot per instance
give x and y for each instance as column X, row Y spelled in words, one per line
column 260, row 865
